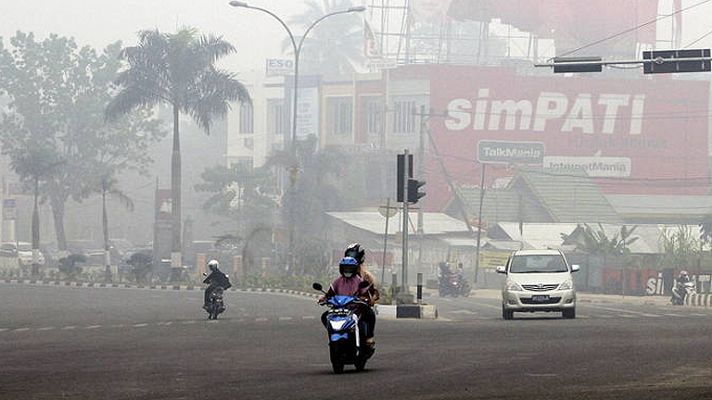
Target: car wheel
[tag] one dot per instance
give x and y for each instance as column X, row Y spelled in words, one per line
column 507, row 314
column 569, row 313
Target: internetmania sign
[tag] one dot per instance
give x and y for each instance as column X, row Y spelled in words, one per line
column 502, row 152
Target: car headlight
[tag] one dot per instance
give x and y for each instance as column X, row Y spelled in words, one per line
column 514, row 287
column 567, row 285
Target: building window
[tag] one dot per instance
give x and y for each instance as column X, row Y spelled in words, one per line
column 247, row 118
column 374, row 116
column 404, row 116
column 244, row 163
column 339, row 115
column 276, row 117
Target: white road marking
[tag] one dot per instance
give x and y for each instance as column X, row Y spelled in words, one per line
column 188, row 322
column 285, row 318
column 698, row 314
column 674, row 315
column 21, row 330
column 46, row 328
column 68, row 328
column 139, row 325
column 308, row 317
column 261, row 319
column 3, row 329
column 464, row 312
column 620, row 310
column 627, row 316
column 93, row 327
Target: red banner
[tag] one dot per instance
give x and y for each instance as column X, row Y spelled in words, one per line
column 638, row 136
column 571, row 23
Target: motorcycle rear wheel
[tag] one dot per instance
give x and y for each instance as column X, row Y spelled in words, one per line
column 360, row 365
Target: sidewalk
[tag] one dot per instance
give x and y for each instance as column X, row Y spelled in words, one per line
column 582, row 297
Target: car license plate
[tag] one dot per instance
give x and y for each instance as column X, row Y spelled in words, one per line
column 540, row 298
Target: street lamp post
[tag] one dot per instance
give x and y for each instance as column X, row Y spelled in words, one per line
column 297, row 48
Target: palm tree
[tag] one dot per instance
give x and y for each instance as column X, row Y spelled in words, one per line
column 34, row 161
column 179, row 70
column 108, row 188
column 336, row 45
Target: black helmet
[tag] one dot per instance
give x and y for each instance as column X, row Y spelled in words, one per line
column 354, row 250
column 348, row 267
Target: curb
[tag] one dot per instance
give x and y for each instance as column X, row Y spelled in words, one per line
column 190, row 287
column 406, row 311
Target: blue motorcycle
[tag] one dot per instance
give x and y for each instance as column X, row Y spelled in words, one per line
column 347, row 344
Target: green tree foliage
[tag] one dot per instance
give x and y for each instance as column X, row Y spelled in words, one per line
column 178, row 70
column 335, row 46
column 681, row 247
column 68, row 265
column 597, row 242
column 57, row 94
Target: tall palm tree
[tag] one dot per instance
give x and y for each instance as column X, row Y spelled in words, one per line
column 335, row 46
column 179, row 70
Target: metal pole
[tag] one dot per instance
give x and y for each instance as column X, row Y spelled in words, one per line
column 404, row 263
column 385, row 240
column 479, row 220
column 419, row 293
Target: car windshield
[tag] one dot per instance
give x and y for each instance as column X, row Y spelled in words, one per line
column 24, row 247
column 538, row 264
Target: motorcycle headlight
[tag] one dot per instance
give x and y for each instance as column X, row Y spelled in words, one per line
column 337, row 325
column 514, row 287
column 567, row 285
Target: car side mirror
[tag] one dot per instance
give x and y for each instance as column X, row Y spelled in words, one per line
column 575, row 268
column 501, row 269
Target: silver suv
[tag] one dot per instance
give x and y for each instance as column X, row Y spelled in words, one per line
column 538, row 280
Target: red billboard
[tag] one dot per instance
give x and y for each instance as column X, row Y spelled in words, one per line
column 636, row 136
column 571, row 23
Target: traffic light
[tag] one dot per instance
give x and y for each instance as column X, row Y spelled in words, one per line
column 414, row 194
column 577, row 64
column 670, row 61
column 400, row 174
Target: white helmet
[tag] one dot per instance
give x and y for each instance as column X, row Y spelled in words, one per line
column 213, row 265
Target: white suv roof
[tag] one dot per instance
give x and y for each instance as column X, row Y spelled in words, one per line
column 543, row 252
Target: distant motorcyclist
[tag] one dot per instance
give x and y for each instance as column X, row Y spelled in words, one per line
column 683, row 285
column 452, row 282
column 215, row 279
column 373, row 295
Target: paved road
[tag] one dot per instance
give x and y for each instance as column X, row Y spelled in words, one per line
column 63, row 342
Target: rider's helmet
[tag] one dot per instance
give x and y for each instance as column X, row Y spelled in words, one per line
column 354, row 250
column 213, row 265
column 348, row 267
column 684, row 276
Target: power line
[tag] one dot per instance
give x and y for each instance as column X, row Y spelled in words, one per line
column 698, row 39
column 635, row 28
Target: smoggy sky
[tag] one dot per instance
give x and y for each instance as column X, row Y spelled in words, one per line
column 256, row 35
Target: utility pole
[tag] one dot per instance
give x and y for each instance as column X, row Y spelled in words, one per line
column 404, row 265
column 479, row 219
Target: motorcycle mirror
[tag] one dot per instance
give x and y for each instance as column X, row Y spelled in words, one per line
column 317, row 286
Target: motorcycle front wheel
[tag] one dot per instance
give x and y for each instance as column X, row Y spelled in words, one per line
column 338, row 368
